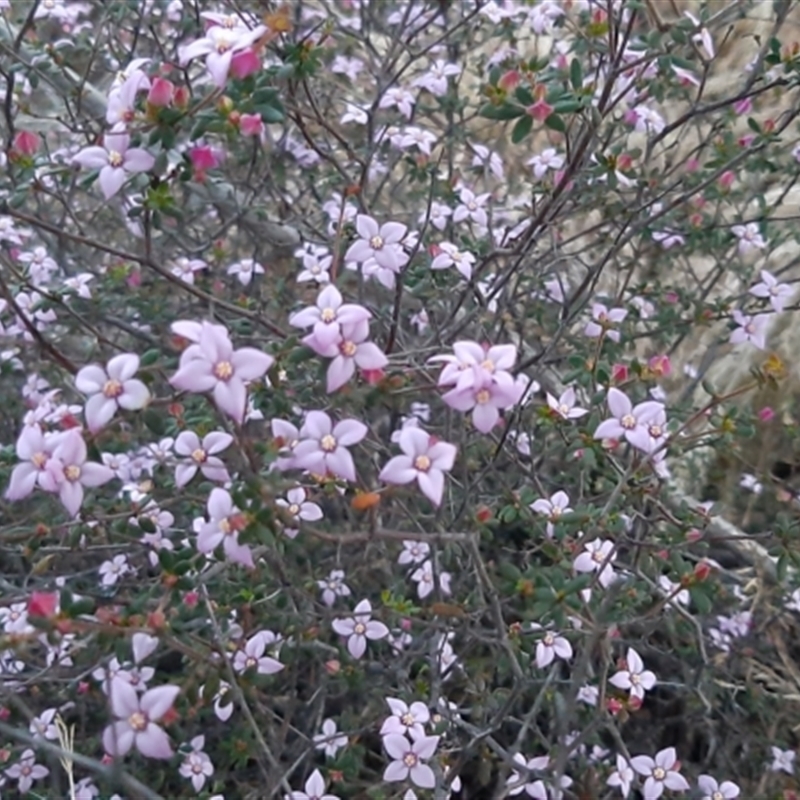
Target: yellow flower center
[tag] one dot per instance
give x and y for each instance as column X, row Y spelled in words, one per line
column 348, row 349
column 327, row 315
column 114, row 158
column 294, row 509
column 376, row 242
column 482, row 397
column 137, row 721
column 628, row 422
column 328, row 443
column 659, row 774
column 360, row 628
column 199, row 456
column 422, row 463
column 72, row 472
column 410, row 760
column 223, row 370
column 112, row 388
column 39, row 460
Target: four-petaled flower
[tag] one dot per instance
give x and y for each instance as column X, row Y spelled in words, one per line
column 660, row 773
column 602, row 320
column 314, row 789
column 330, row 740
column 379, row 242
column 425, row 460
column 634, row 678
column 727, row 790
column 136, row 720
column 405, row 718
column 778, row 293
column 565, row 406
column 115, row 160
column 751, row 329
column 359, row 628
column 622, row 777
column 202, row 456
column 251, row 656
column 26, row 771
column 629, row 421
column 111, row 388
column 223, row 529
column 598, row 556
column 408, row 758
column 323, row 445
column 211, row 364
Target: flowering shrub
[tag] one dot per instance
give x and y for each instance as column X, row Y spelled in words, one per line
column 398, row 400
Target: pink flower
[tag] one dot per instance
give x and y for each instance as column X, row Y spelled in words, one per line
column 251, row 125
column 137, row 717
column 727, row 790
column 400, row 98
column 413, row 552
column 212, row 365
column 472, row 207
column 202, row 456
column 598, row 555
column 252, row 655
column 333, row 587
column 245, row 269
column 547, row 159
column 485, row 399
column 622, row 777
column 525, row 782
column 451, row 256
column 330, row 740
column 298, row 508
column 551, row 646
column 26, row 771
column 425, row 460
column 327, row 317
column 161, row 92
column 223, row 528
column 435, row 79
column 323, row 445
column 749, row 237
column 424, row 578
column 359, row 628
column 602, row 319
column 351, row 350
column 197, row 766
column 628, row 421
column 405, row 718
column 219, row 46
column 751, row 329
column 115, row 161
column 634, row 678
column 660, row 773
column 778, row 293
column 379, row 242
column 314, row 789
column 565, row 405
column 111, row 388
column 408, row 758
column 34, row 450
column 67, row 472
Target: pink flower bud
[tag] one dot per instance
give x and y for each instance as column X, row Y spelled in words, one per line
column 619, row 373
column 25, row 143
column 204, row 157
column 509, row 80
column 161, row 93
column 42, row 604
column 660, row 365
column 726, row 179
column 766, row 414
column 692, row 165
column 540, row 110
column 251, row 125
column 245, row 63
column 743, row 106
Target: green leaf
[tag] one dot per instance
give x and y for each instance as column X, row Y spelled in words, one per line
column 501, row 113
column 154, row 420
column 576, row 74
column 521, row 129
column 556, row 123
